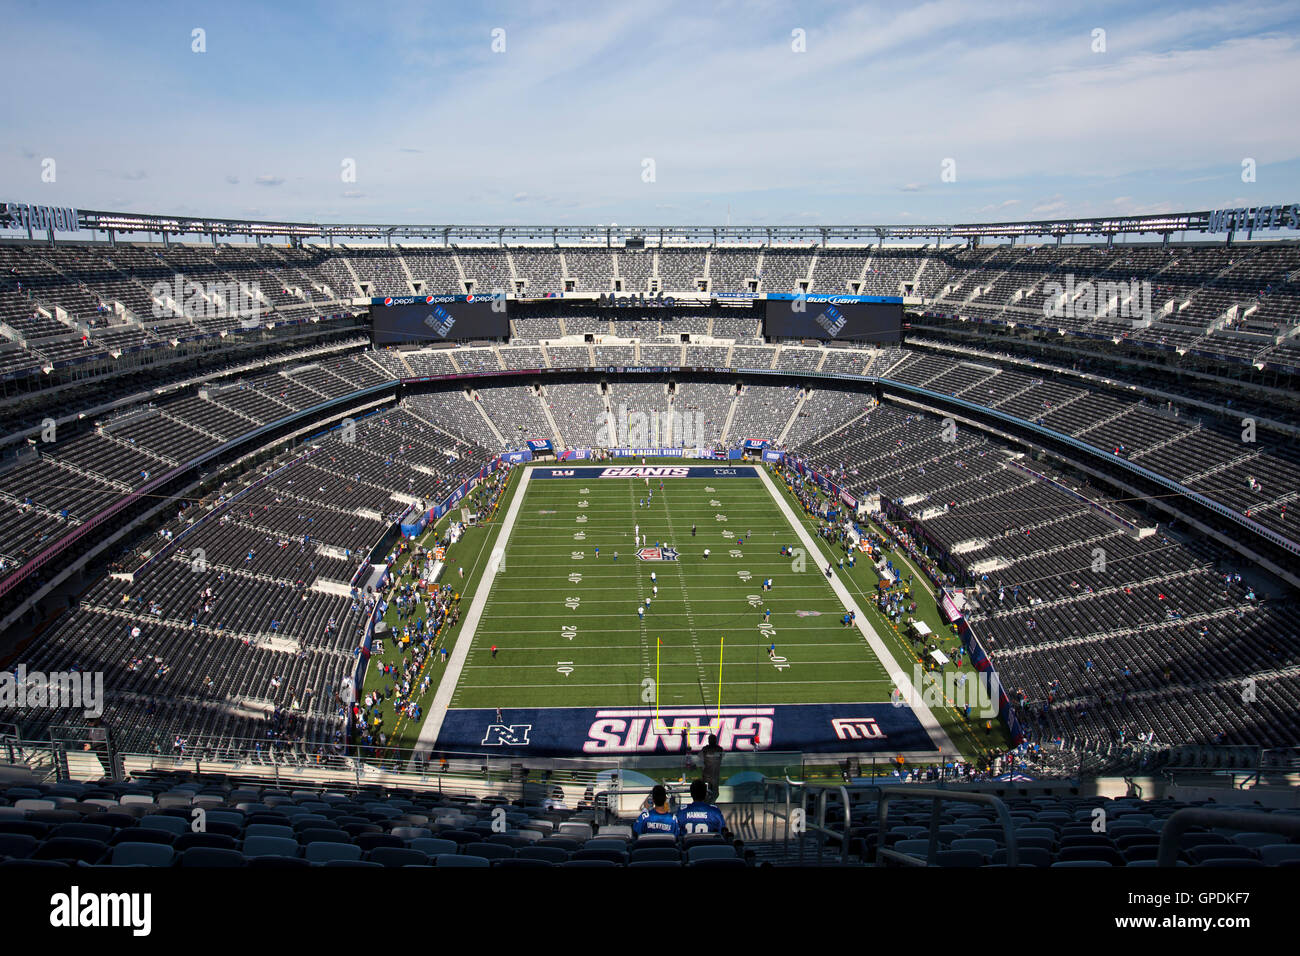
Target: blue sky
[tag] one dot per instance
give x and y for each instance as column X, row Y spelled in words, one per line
column 559, row 126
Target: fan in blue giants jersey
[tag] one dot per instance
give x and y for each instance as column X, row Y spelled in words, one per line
column 700, row 816
column 657, row 819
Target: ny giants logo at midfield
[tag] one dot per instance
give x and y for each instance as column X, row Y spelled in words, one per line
column 657, row 554
column 645, row 471
column 640, row 731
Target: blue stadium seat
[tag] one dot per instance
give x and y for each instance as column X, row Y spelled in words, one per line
column 490, row 851
column 18, row 845
column 960, row 858
column 550, row 854
column 142, row 854
column 433, row 846
column 1276, row 854
column 590, row 863
column 653, row 853
column 369, row 841
column 168, row 824
column 1079, row 863
column 71, row 848
column 515, row 863
column 397, row 856
column 255, row 846
column 323, row 851
column 722, row 851
column 1026, row 856
column 206, row 856
column 1225, row 851
column 617, row 857
column 85, row 831
column 720, row 863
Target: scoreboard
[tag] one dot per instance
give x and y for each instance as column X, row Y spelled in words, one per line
column 873, row 319
column 438, row 318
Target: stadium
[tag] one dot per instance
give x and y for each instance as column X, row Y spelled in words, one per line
column 333, row 543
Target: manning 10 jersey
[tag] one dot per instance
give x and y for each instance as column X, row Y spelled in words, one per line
column 701, row 818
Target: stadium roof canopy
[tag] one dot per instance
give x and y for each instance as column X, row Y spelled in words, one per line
column 38, row 221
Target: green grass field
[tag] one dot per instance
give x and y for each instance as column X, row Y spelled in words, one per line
column 703, row 611
column 565, row 621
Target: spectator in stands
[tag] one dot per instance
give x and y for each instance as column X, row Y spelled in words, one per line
column 657, row 818
column 700, row 816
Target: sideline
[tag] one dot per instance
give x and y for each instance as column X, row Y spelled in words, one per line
column 901, row 680
column 469, row 626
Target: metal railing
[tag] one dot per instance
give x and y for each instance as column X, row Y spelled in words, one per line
column 936, row 797
column 1178, row 824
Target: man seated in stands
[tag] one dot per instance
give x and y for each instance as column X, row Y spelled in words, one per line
column 700, row 816
column 657, row 818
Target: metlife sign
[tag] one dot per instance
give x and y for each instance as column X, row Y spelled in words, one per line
column 1254, row 218
column 19, row 215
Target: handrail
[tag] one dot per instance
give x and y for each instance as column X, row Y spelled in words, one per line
column 822, row 792
column 1177, row 825
column 936, row 796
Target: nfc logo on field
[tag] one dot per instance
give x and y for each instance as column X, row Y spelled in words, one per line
column 512, row 735
column 856, row 728
column 657, row 554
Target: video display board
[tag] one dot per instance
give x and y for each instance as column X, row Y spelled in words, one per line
column 438, row 318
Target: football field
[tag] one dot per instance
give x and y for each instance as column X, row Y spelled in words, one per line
column 599, row 595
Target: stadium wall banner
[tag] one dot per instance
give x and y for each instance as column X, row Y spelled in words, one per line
column 757, row 444
column 539, row 445
column 657, row 453
column 830, row 299
column 515, row 457
column 735, row 454
column 980, row 661
column 776, row 456
column 418, row 526
column 575, row 454
column 647, row 471
column 450, row 502
column 575, row 731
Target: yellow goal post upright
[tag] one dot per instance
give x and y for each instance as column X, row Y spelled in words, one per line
column 662, row 728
